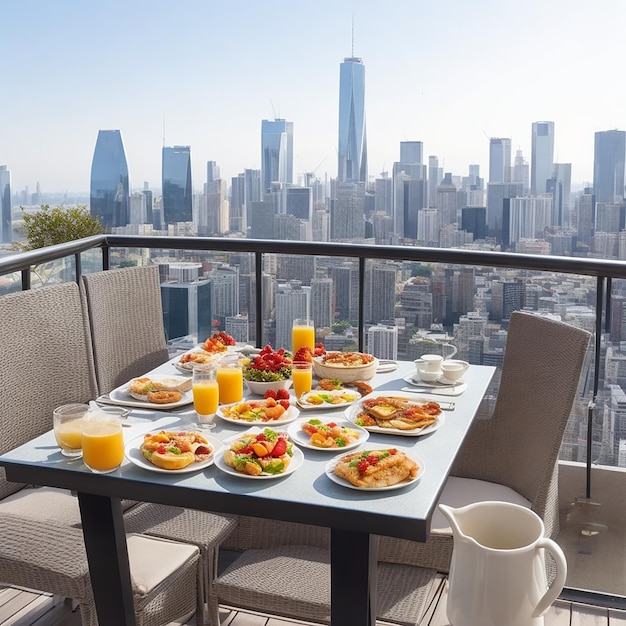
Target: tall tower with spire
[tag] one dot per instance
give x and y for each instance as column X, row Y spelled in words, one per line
column 352, row 151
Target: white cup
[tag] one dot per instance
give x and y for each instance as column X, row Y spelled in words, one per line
column 454, row 370
column 429, row 362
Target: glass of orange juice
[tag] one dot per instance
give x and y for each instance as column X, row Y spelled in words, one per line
column 302, row 334
column 67, row 422
column 205, row 395
column 229, row 377
column 102, row 440
column 302, row 375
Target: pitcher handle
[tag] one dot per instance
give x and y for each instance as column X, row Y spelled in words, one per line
column 452, row 349
column 558, row 583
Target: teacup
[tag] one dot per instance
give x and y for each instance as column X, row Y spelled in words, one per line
column 454, row 370
column 427, row 376
column 429, row 362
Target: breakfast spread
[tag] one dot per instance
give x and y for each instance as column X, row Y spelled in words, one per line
column 376, row 468
column 265, row 410
column 173, row 451
column 397, row 412
column 346, row 359
column 163, row 390
column 267, row 452
column 329, row 434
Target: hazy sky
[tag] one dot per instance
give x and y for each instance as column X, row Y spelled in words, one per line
column 450, row 73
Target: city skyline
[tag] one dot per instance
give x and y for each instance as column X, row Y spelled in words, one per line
column 447, row 74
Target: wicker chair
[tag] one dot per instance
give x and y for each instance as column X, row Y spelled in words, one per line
column 284, row 569
column 512, row 455
column 46, row 361
column 126, row 320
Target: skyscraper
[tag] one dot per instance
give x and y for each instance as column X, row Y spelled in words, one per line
column 109, row 198
column 352, row 151
column 276, row 153
column 6, row 226
column 499, row 160
column 609, row 157
column 176, row 179
column 542, row 156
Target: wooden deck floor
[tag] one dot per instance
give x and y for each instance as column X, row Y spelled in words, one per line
column 26, row 608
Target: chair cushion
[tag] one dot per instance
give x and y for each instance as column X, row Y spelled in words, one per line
column 460, row 492
column 294, row 581
column 153, row 560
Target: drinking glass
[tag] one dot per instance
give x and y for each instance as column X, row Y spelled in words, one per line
column 67, row 421
column 302, row 375
column 302, row 334
column 205, row 395
column 102, row 440
column 229, row 377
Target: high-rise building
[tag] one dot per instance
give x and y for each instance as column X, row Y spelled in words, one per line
column 322, row 302
column 563, row 177
column 237, row 214
column 435, row 174
column 352, row 151
column 499, row 160
column 609, row 157
column 497, row 193
column 347, row 217
column 521, row 173
column 291, row 301
column 276, row 153
column 6, row 221
column 176, row 181
column 542, row 156
column 109, row 197
column 382, row 341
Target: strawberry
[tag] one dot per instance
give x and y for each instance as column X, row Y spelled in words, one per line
column 270, row 393
column 285, row 404
column 280, row 448
column 282, row 394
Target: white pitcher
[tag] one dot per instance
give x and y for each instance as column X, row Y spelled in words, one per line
column 497, row 576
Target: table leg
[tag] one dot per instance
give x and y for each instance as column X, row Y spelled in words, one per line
column 107, row 554
column 353, row 578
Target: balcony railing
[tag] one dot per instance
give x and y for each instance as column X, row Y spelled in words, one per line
column 104, row 248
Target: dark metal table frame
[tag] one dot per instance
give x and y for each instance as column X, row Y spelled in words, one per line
column 355, row 518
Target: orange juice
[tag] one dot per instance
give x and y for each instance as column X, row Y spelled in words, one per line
column 302, row 379
column 205, row 397
column 68, row 435
column 302, row 335
column 230, row 382
column 103, row 445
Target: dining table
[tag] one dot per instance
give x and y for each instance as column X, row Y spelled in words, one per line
column 306, row 494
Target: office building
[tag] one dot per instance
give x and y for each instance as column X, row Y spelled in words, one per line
column 187, row 309
column 322, row 302
column 382, row 341
column 237, row 205
column 176, row 183
column 521, row 171
column 380, row 293
column 410, row 196
column 299, row 202
column 609, row 157
column 276, row 153
column 542, row 156
column 586, row 218
column 435, row 175
column 347, row 215
column 352, row 150
column 109, row 196
column 499, row 160
column 383, row 195
column 237, row 327
column 224, row 292
column 563, row 178
column 291, row 301
column 474, row 220
column 6, row 220
column 497, row 193
column 346, row 296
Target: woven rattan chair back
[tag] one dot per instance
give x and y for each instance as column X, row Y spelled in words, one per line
column 126, row 317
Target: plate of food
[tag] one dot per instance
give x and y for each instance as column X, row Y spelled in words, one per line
column 333, row 435
column 262, row 411
column 334, row 399
column 395, row 413
column 345, row 366
column 173, row 452
column 153, row 392
column 260, row 454
column 375, row 470
column 190, row 358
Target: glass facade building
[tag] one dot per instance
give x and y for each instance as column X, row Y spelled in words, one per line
column 176, row 180
column 276, row 153
column 609, row 157
column 109, row 197
column 352, row 151
column 6, row 225
column 542, row 156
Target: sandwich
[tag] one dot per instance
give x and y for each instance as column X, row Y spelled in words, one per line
column 376, row 468
column 174, row 451
column 163, row 390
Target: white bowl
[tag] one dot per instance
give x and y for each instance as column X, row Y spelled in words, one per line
column 346, row 374
column 427, row 376
column 259, row 388
column 454, row 370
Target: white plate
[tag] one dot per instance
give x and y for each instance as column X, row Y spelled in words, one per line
column 187, row 368
column 302, row 439
column 303, row 402
column 122, row 397
column 134, row 455
column 386, row 366
column 296, row 460
column 290, row 415
column 356, row 408
column 330, row 467
column 440, row 383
